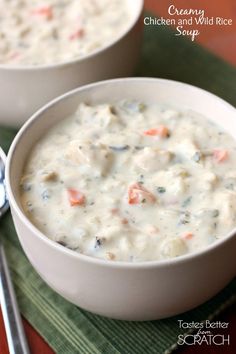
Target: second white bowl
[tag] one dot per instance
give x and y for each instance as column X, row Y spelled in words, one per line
column 23, row 90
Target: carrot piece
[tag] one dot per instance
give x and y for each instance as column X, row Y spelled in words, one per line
column 114, row 211
column 77, row 34
column 138, row 194
column 161, row 131
column 75, row 197
column 220, row 155
column 133, row 196
column 124, row 221
column 45, row 11
column 14, row 55
column 187, row 236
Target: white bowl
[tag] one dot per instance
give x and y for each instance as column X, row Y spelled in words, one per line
column 24, row 89
column 122, row 290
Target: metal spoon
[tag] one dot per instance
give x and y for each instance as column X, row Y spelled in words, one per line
column 14, row 328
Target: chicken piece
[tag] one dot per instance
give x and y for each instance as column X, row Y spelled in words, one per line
column 174, row 180
column 97, row 157
column 50, row 176
column 209, row 180
column 173, row 248
column 226, row 203
column 106, row 117
column 187, row 149
column 152, row 159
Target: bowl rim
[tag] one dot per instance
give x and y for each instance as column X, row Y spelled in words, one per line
column 20, row 136
column 83, row 58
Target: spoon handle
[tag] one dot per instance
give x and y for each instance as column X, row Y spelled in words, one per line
column 14, row 328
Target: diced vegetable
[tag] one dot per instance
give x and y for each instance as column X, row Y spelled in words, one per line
column 77, row 34
column 220, row 155
column 14, row 55
column 137, row 194
column 75, row 197
column 115, row 211
column 45, row 11
column 187, row 236
column 124, row 221
column 161, row 131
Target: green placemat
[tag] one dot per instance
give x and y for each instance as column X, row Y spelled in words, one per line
column 65, row 327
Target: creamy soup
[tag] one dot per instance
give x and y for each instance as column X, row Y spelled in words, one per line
column 132, row 182
column 46, row 32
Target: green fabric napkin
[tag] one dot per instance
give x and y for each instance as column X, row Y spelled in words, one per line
column 64, row 326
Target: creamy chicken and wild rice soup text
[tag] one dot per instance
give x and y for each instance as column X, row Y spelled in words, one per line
column 46, row 32
column 132, row 182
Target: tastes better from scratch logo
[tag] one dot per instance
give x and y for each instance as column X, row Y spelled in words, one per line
column 199, row 333
column 187, row 17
